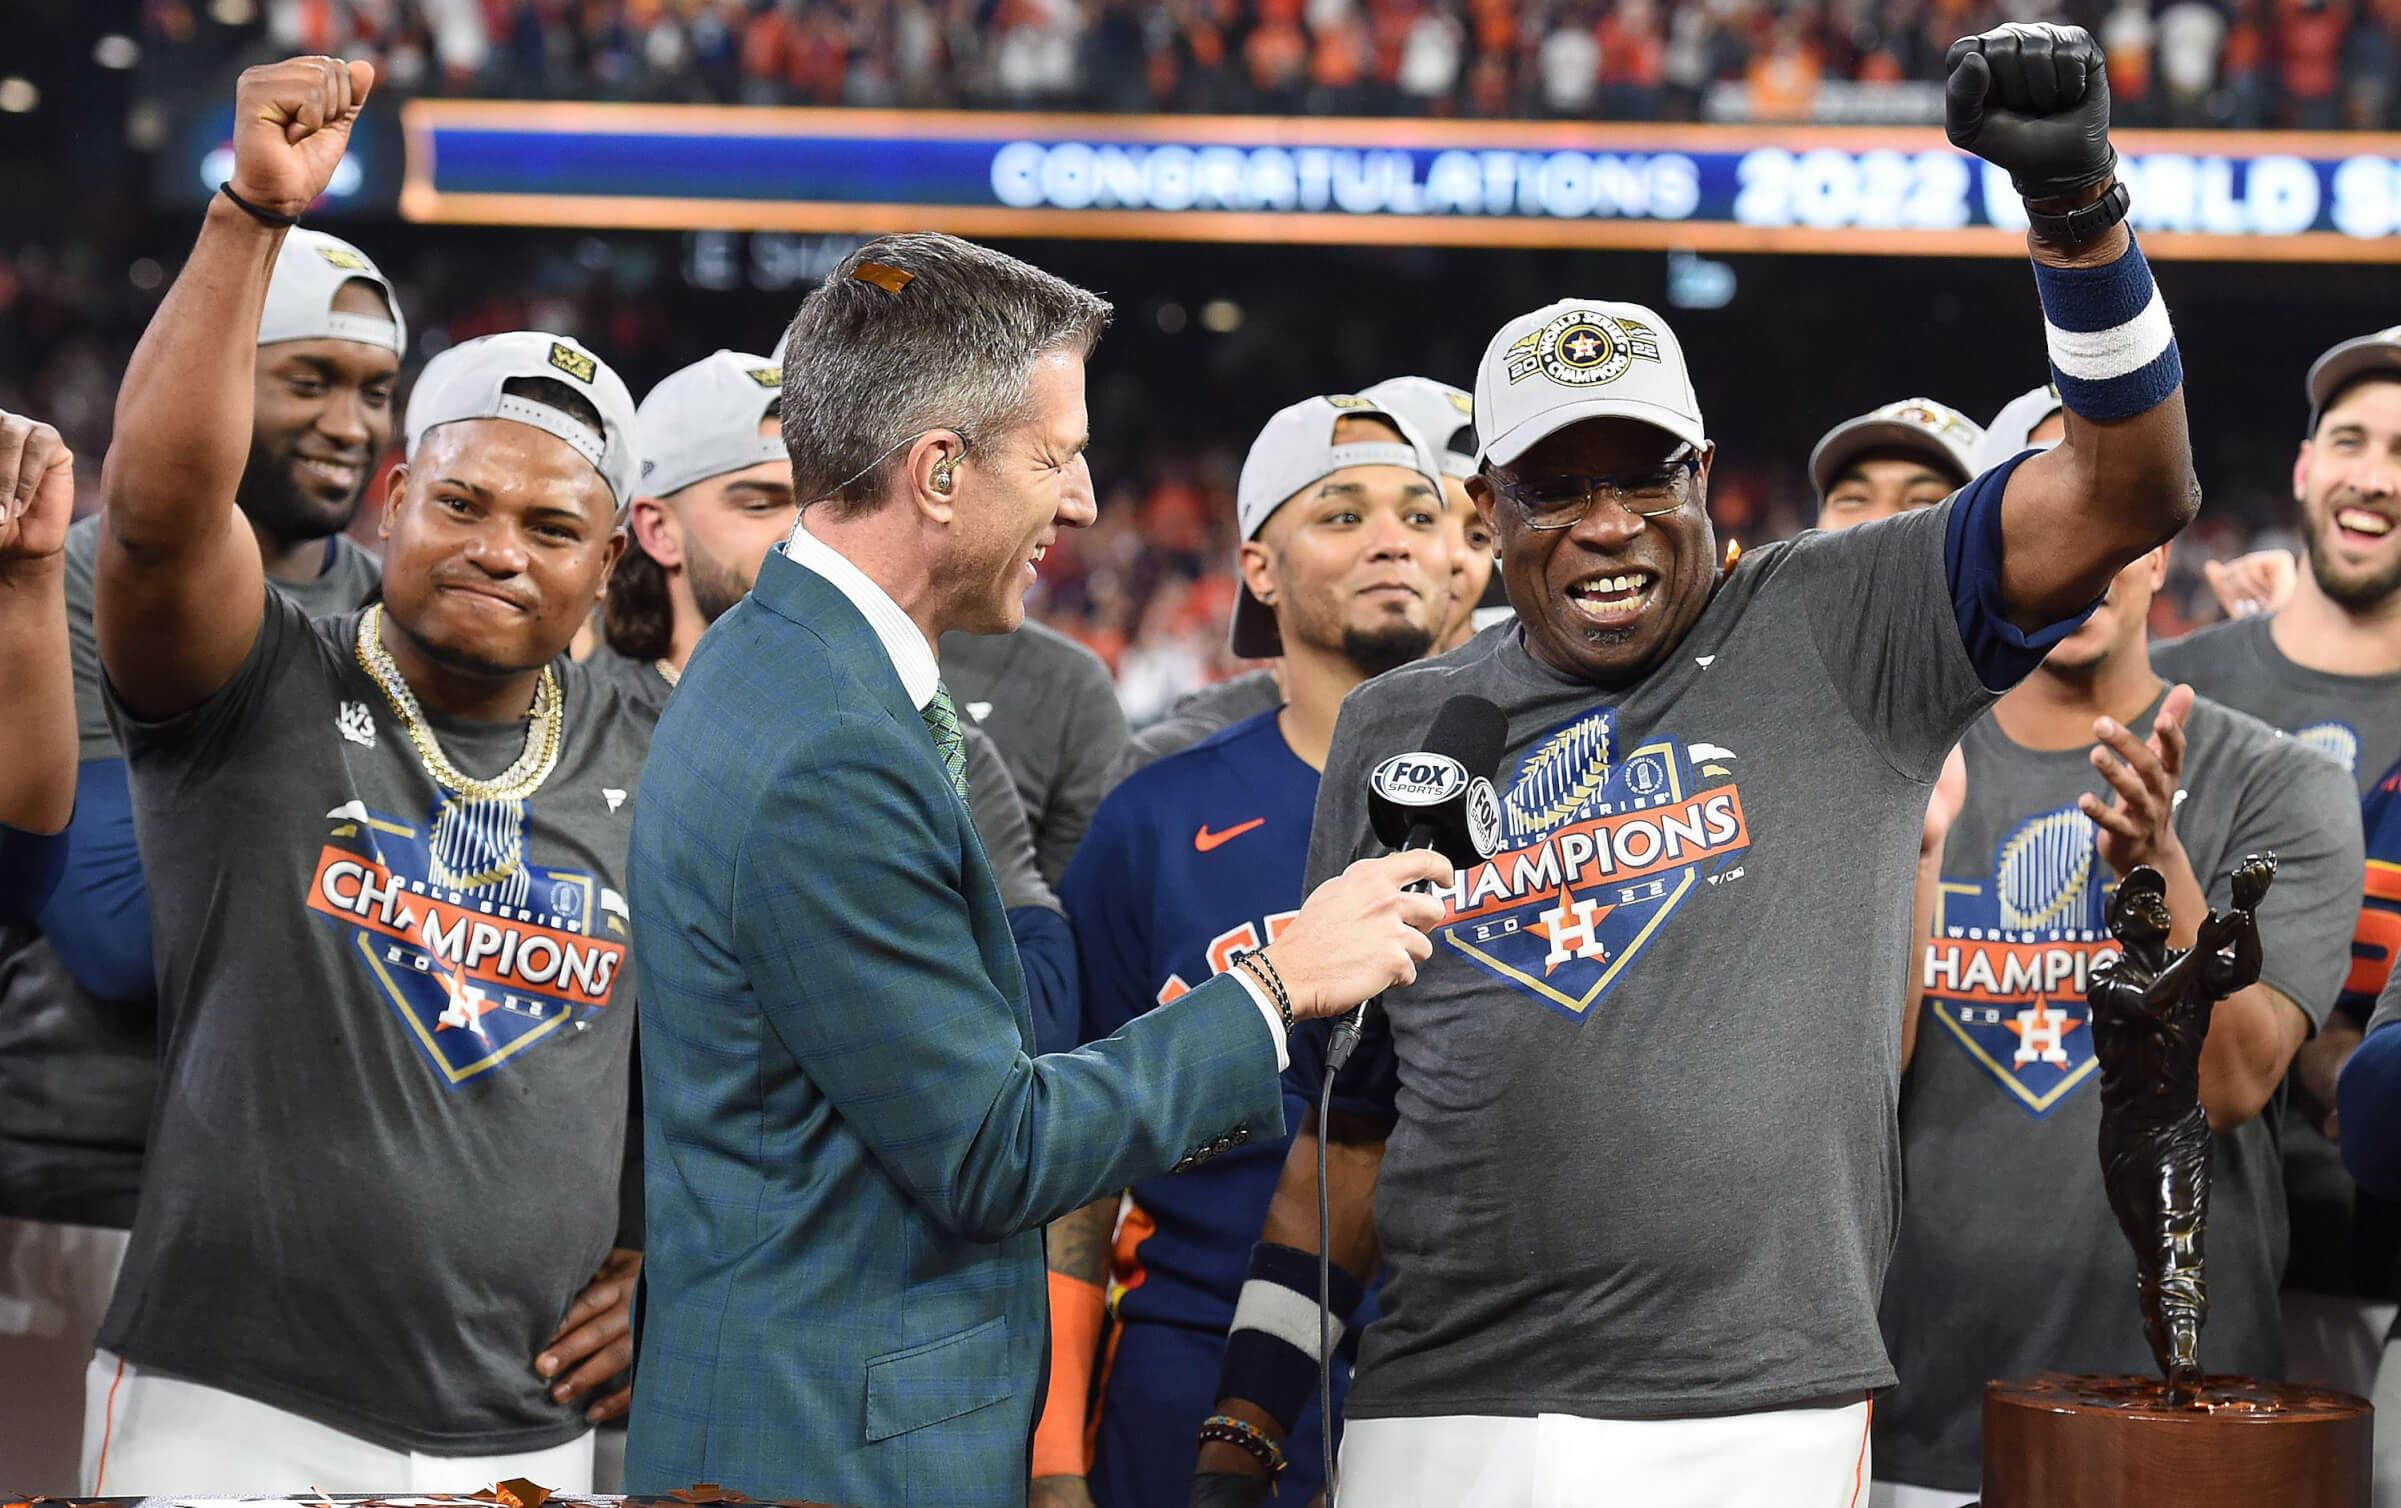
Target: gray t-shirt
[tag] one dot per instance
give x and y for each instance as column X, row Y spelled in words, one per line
column 1643, row 1160
column 2009, row 1260
column 352, row 578
column 1197, row 714
column 2355, row 719
column 392, row 1099
column 1000, row 821
column 1048, row 703
column 639, row 679
column 77, row 1072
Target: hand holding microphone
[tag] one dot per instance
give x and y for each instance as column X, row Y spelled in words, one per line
column 1360, row 934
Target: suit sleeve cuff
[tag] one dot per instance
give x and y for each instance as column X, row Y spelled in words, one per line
column 1267, row 1009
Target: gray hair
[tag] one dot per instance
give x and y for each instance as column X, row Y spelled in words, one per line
column 867, row 367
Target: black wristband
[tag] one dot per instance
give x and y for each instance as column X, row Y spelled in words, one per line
column 263, row 216
column 2084, row 224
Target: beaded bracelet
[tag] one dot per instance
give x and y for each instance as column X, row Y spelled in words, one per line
column 1256, row 964
column 1248, row 1438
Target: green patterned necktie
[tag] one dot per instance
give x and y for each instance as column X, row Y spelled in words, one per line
column 942, row 720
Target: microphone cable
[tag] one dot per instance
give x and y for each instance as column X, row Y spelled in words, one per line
column 1325, row 1284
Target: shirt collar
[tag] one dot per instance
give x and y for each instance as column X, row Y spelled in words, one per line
column 912, row 658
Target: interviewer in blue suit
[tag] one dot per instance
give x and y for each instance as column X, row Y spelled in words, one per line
column 850, row 1154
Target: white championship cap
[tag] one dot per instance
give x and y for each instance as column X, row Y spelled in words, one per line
column 2007, row 433
column 1444, row 415
column 1295, row 450
column 1581, row 359
column 2351, row 360
column 704, row 421
column 465, row 382
column 309, row 271
column 1920, row 427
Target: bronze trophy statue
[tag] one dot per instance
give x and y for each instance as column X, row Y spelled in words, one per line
column 2081, row 1440
column 2150, row 1015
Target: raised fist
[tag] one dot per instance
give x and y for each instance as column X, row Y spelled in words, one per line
column 291, row 125
column 37, row 490
column 2033, row 98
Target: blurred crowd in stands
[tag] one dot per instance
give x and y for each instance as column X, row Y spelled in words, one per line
column 2317, row 64
column 1148, row 587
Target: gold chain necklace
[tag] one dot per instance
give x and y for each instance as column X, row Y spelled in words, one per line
column 515, row 783
column 667, row 671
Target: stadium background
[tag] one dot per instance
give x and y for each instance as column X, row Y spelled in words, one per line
column 109, row 114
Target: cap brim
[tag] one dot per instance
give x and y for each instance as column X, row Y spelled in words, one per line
column 1847, row 441
column 2347, row 363
column 1503, row 449
column 1255, row 636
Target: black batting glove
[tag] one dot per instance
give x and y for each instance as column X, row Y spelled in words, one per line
column 1229, row 1489
column 2034, row 99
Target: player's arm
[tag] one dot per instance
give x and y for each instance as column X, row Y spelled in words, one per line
column 179, row 583
column 37, row 681
column 2034, row 99
column 1077, row 1253
column 1942, row 809
column 1271, row 1355
column 2254, row 1031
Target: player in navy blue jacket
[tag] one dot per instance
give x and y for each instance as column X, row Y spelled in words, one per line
column 1194, row 859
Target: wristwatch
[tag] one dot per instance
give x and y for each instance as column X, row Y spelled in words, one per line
column 2084, row 224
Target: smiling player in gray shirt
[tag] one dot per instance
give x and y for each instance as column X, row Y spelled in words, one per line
column 1629, row 1138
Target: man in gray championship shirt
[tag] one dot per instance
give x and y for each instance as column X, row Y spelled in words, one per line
column 374, row 1242
column 2008, row 1262
column 2326, row 668
column 1629, row 1138
column 78, row 1017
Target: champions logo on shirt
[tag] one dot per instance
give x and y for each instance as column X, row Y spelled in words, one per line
column 1597, row 853
column 2337, row 741
column 479, row 963
column 2006, row 968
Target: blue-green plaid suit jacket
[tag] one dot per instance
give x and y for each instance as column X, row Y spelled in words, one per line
column 849, row 1153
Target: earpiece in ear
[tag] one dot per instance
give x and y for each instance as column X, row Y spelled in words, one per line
column 942, row 477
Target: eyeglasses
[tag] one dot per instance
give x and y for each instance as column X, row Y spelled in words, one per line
column 1561, row 502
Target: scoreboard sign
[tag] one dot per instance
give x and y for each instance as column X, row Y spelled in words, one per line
column 1884, row 190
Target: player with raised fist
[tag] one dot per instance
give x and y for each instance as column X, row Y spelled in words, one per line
column 345, row 1071
column 1631, row 1214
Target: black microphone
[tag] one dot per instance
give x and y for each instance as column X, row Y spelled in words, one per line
column 1439, row 797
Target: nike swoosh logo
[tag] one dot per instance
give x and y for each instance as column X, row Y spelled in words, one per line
column 1205, row 840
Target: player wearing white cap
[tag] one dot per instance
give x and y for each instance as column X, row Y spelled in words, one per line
column 715, row 495
column 1345, row 574
column 391, row 934
column 1446, row 417
column 79, row 1065
column 1441, row 414
column 1903, row 455
column 1639, row 1180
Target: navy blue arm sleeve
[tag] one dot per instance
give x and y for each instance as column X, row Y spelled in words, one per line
column 99, row 917
column 2368, row 1099
column 30, row 864
column 1046, row 950
column 2002, row 653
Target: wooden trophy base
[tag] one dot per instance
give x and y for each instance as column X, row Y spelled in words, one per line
column 2057, row 1441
